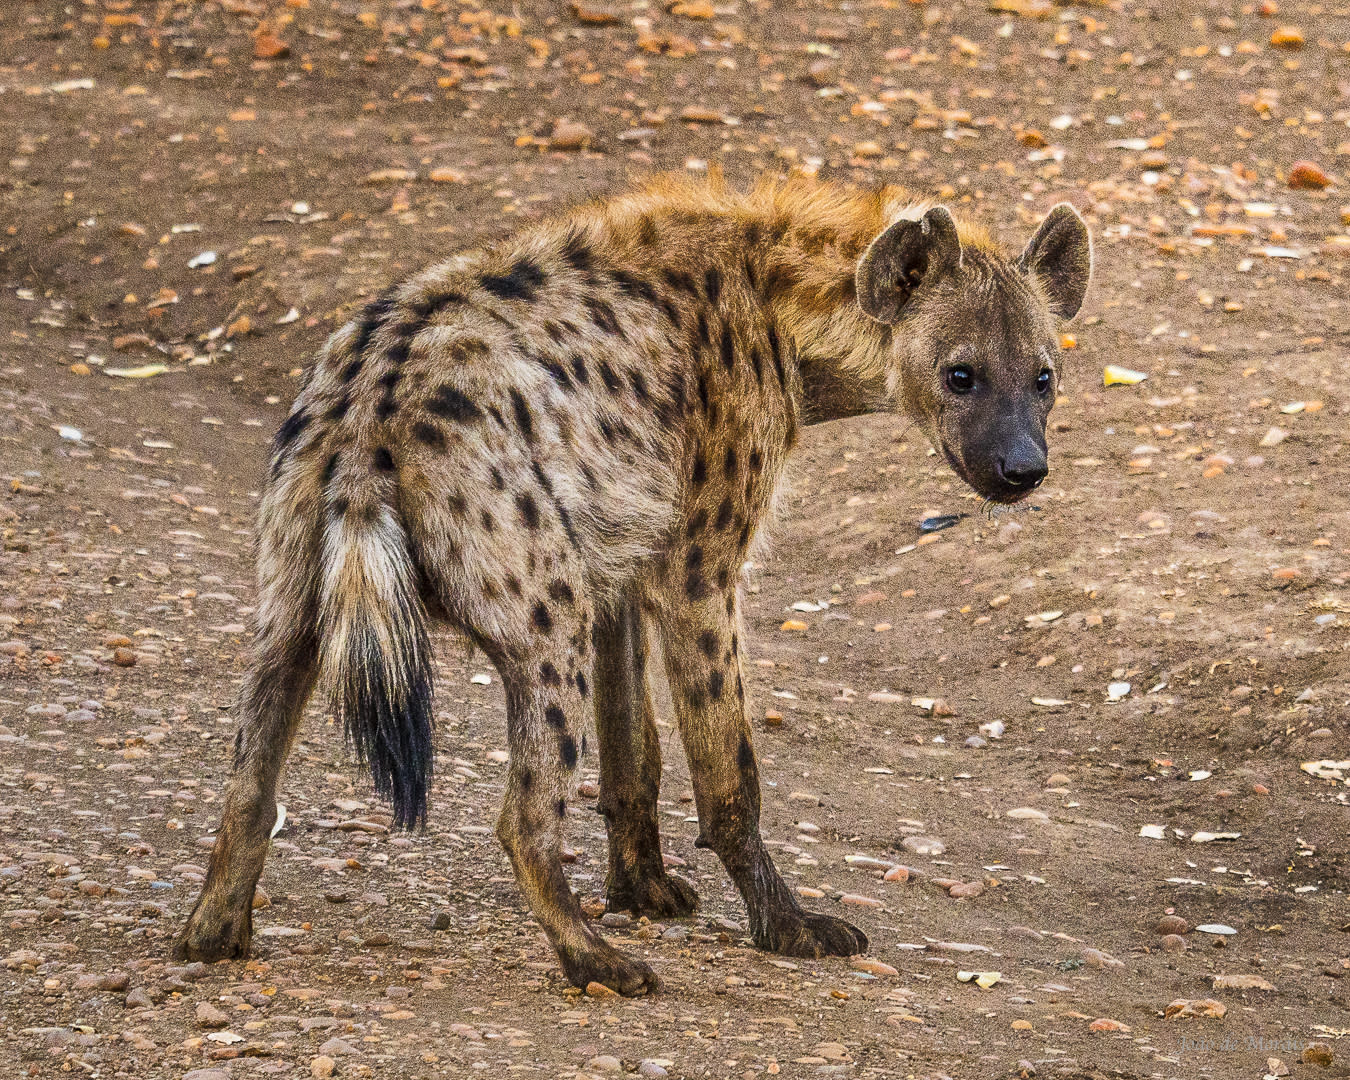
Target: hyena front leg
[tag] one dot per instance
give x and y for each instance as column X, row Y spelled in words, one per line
column 545, row 705
column 630, row 771
column 702, row 654
column 270, row 707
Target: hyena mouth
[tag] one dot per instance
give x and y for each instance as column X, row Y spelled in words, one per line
column 1001, row 494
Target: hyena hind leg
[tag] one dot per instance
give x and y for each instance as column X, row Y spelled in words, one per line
column 544, row 713
column 630, row 771
column 271, row 703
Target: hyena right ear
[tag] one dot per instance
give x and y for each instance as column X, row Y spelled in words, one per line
column 904, row 257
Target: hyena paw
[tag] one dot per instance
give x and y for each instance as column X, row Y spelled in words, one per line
column 212, row 937
column 812, row 936
column 661, row 896
column 604, row 964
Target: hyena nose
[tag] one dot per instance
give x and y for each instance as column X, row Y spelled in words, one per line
column 1024, row 467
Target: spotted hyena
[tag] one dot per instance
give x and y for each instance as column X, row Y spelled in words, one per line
column 564, row 443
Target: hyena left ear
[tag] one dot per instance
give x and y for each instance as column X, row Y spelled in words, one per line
column 907, row 255
column 1060, row 255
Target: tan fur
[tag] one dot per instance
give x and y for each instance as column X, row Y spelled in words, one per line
column 562, row 442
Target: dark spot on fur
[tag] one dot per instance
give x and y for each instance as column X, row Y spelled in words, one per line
column 777, row 356
column 522, row 282
column 756, row 462
column 513, row 585
column 715, row 681
column 524, row 419
column 712, row 284
column 704, row 395
column 526, row 779
column 779, row 279
column 560, row 591
column 697, row 523
column 603, row 315
column 678, row 279
column 488, row 524
column 671, row 312
column 451, row 404
column 740, row 688
column 469, row 350
column 693, row 558
column 554, row 715
column 700, row 473
column 582, row 688
column 723, row 578
column 329, row 468
column 579, row 369
column 542, row 620
column 695, row 587
column 724, row 514
column 384, row 461
column 398, row 350
column 542, row 478
column 757, row 363
column 434, row 301
column 386, row 408
column 696, row 698
column 351, row 369
column 529, row 510
column 568, row 749
column 607, row 376
column 647, row 232
column 429, row 434
column 577, row 252
column 631, row 285
column 640, row 390
column 701, row 332
column 375, row 312
column 566, row 519
column 707, row 643
column 549, row 674
column 459, row 506
column 728, row 348
column 744, row 538
column 498, row 480
column 290, row 430
column 339, row 410
column 745, row 755
column 562, row 808
column 556, row 371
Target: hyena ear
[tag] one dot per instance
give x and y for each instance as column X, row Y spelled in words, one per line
column 907, row 255
column 1060, row 255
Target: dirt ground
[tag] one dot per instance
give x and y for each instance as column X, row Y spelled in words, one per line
column 213, row 187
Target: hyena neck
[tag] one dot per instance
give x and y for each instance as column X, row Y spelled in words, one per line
column 841, row 353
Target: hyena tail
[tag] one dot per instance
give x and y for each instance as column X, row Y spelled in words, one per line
column 378, row 656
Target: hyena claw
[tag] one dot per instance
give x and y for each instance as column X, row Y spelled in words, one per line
column 605, row 965
column 664, row 897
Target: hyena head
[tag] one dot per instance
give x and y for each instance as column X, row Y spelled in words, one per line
column 975, row 342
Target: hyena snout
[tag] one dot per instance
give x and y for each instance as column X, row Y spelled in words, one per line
column 1022, row 466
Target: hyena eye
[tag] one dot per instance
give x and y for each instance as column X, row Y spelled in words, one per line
column 960, row 379
column 1044, row 381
